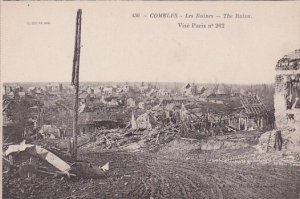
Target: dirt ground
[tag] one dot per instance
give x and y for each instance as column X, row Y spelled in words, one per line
column 179, row 169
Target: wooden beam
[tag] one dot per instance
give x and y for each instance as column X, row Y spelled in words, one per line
column 75, row 80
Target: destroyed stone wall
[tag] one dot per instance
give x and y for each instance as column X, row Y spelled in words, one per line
column 287, row 107
column 287, row 87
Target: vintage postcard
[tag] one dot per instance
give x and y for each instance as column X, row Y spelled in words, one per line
column 184, row 99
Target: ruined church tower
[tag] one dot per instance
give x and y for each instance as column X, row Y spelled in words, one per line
column 287, row 90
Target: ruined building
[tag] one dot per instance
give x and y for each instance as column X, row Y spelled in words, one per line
column 287, row 90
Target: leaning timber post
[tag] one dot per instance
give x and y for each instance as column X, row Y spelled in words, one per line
column 75, row 123
column 75, row 81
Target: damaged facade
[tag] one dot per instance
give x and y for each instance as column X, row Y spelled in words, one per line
column 287, row 89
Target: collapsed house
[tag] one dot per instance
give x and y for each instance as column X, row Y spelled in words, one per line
column 255, row 114
column 251, row 114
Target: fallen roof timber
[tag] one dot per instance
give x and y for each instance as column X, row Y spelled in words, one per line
column 253, row 105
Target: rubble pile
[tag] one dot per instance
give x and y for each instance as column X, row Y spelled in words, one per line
column 123, row 138
column 290, row 140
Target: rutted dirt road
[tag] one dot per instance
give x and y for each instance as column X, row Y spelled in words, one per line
column 173, row 178
column 179, row 174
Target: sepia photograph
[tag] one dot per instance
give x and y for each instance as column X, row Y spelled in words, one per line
column 150, row 100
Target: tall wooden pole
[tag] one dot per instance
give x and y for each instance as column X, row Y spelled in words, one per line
column 75, row 80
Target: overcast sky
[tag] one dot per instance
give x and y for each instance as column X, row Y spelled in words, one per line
column 116, row 47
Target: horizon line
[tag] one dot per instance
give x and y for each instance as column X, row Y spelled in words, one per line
column 115, row 81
